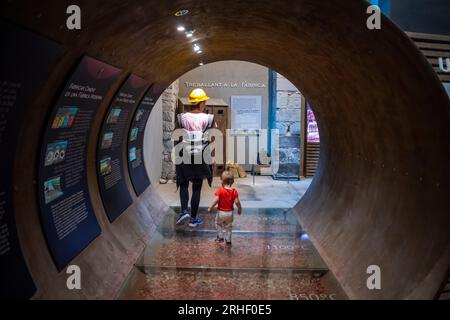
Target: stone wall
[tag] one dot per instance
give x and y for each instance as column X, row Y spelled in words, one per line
column 288, row 116
column 169, row 106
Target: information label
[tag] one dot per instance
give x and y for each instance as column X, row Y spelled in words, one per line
column 67, row 215
column 26, row 61
column 113, row 144
column 136, row 165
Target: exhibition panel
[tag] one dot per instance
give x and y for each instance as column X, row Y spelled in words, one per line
column 66, row 210
column 26, row 60
column 136, row 164
column 111, row 149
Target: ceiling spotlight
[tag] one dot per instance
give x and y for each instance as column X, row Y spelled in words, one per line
column 189, row 33
column 181, row 28
column 201, row 64
column 200, row 51
column 196, row 47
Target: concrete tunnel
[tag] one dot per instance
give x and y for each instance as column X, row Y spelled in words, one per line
column 380, row 195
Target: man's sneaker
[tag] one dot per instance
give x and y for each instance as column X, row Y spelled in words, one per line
column 219, row 240
column 183, row 216
column 195, row 222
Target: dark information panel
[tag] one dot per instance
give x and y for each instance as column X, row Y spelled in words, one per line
column 67, row 215
column 136, row 164
column 25, row 62
column 110, row 167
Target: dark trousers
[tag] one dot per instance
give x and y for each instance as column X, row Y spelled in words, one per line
column 195, row 199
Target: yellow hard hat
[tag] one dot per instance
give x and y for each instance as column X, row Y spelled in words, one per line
column 197, row 96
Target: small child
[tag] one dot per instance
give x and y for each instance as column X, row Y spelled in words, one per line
column 226, row 197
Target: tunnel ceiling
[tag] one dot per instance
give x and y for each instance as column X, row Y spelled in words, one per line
column 383, row 181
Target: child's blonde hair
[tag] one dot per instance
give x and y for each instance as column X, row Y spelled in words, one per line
column 227, row 178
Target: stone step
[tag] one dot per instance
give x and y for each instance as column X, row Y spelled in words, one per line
column 247, row 251
column 257, row 221
column 170, row 284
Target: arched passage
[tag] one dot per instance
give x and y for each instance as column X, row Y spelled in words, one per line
column 383, row 179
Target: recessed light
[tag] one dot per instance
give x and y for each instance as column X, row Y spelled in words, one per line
column 196, row 47
column 181, row 13
column 181, row 28
column 189, row 33
column 201, row 64
column 200, row 51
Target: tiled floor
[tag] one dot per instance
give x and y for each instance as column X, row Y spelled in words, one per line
column 270, row 258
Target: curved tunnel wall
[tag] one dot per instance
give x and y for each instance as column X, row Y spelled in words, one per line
column 381, row 192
